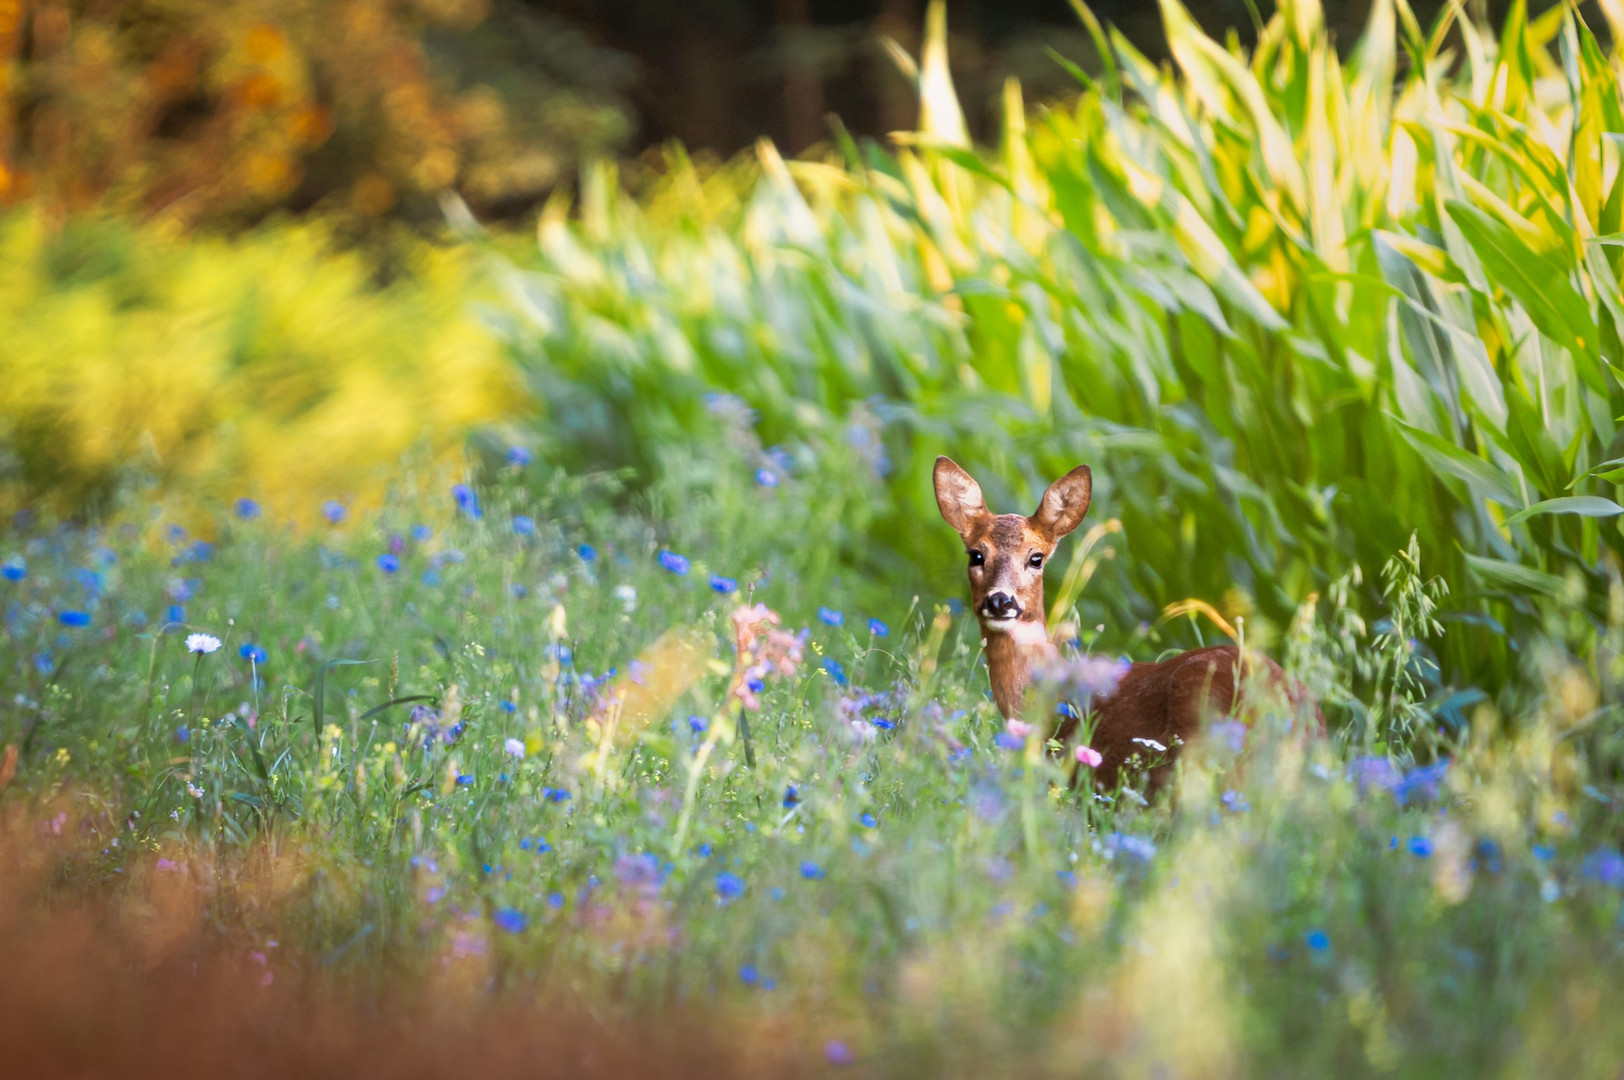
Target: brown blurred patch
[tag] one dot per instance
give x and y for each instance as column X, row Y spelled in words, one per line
column 136, row 980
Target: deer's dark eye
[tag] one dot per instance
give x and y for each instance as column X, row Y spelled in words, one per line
column 977, row 558
column 1036, row 561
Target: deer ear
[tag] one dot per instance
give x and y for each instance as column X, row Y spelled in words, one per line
column 1065, row 503
column 958, row 496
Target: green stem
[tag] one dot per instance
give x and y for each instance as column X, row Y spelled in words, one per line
column 744, row 733
column 695, row 770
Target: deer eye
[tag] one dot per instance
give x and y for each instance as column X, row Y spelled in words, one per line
column 977, row 558
column 1036, row 561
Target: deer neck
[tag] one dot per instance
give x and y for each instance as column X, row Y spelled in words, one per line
column 1011, row 653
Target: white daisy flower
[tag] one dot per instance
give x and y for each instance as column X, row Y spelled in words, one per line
column 202, row 644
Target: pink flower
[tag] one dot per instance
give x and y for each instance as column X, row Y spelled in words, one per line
column 1018, row 728
column 1087, row 755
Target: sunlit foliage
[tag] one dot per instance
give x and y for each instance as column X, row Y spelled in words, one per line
column 1292, row 309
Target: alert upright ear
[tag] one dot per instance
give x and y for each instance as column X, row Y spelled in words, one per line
column 1065, row 503
column 958, row 497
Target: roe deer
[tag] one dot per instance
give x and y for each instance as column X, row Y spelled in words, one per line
column 1164, row 701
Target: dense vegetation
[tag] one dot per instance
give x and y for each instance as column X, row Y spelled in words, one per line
column 1341, row 344
column 1291, row 311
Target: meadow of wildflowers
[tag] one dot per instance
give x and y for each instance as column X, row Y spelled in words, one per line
column 557, row 759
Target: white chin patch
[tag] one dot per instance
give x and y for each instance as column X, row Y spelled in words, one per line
column 1020, row 631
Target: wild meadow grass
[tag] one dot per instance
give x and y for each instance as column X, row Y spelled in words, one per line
column 489, row 741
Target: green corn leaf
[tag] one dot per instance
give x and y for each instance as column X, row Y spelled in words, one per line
column 1593, row 506
column 1540, row 284
column 1446, row 457
column 1514, row 576
column 1611, row 471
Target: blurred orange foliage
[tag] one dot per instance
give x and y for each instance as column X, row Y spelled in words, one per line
column 216, row 111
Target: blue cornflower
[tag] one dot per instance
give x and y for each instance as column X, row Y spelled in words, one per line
column 792, row 796
column 44, row 664
column 251, row 652
column 836, row 672
column 883, row 724
column 1317, row 940
column 836, row 1052
column 811, row 871
column 698, row 724
column 831, row 616
column 1135, row 847
column 523, row 525
column 247, row 509
column 878, row 629
column 1604, row 865
column 724, row 585
column 175, row 614
column 1421, row 785
column 766, row 478
column 555, row 900
column 467, row 500
column 465, row 779
column 1420, row 847
column 1544, row 852
column 422, row 533
column 748, row 974
column 729, row 886
column 511, row 920
column 388, row 562
column 556, row 795
column 91, row 581
column 868, row 820
column 1066, row 709
column 14, row 569
column 183, row 734
column 176, row 535
column 520, row 456
column 673, row 562
column 703, row 850
column 74, row 618
column 333, row 511
column 587, row 552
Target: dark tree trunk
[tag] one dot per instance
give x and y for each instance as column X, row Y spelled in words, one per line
column 803, row 83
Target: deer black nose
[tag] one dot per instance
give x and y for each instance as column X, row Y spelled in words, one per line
column 1000, row 605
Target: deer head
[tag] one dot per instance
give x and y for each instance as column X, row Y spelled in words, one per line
column 1007, row 552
